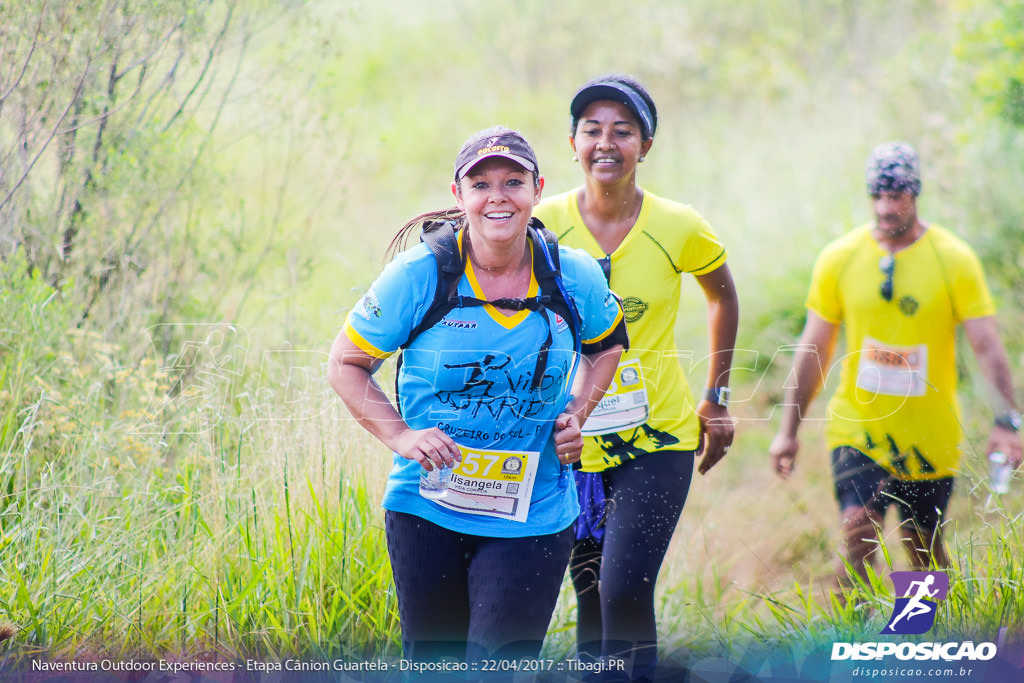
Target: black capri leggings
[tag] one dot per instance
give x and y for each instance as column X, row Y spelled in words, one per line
column 470, row 597
column 644, row 500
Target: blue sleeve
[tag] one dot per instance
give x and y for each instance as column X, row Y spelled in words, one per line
column 383, row 318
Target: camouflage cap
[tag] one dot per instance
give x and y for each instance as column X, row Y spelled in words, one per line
column 893, row 167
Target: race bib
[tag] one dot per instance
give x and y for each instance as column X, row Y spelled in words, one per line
column 492, row 483
column 624, row 405
column 892, row 370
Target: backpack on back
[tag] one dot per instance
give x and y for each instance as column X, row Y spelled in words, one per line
column 442, row 239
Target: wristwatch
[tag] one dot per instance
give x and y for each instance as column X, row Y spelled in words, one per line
column 1009, row 420
column 720, row 396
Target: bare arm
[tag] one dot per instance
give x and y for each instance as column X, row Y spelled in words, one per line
column 595, row 373
column 592, row 379
column 350, row 372
column 983, row 335
column 816, row 346
column 723, row 312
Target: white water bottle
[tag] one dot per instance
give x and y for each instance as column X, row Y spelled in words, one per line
column 999, row 472
column 434, row 484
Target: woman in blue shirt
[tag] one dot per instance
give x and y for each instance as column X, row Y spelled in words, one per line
column 487, row 390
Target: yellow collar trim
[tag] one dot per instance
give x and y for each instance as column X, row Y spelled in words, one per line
column 498, row 315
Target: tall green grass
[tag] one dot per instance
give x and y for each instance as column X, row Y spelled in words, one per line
column 253, row 536
column 254, row 529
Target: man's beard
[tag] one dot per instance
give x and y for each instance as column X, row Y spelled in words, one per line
column 901, row 227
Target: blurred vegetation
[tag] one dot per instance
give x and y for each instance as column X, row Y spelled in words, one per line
column 193, row 194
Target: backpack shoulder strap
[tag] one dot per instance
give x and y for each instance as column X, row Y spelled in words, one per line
column 548, row 271
column 442, row 238
column 542, row 268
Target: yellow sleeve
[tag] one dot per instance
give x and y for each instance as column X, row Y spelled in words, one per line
column 702, row 251
column 970, row 294
column 823, row 296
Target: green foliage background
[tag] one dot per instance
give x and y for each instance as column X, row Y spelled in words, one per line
column 175, row 476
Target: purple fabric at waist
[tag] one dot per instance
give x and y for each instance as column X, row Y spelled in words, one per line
column 590, row 488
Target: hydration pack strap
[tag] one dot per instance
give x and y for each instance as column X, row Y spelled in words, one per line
column 537, row 304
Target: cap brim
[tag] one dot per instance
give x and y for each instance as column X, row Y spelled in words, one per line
column 602, row 91
column 522, row 161
column 594, row 93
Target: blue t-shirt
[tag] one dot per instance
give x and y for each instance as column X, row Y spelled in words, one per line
column 470, row 375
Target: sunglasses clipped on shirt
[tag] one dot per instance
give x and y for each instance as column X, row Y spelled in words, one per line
column 887, row 264
column 606, row 266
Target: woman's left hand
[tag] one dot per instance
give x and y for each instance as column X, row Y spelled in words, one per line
column 716, row 433
column 568, row 438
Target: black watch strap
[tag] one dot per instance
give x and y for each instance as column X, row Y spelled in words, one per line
column 1009, row 420
column 717, row 395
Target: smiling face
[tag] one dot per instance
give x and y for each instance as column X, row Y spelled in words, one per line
column 608, row 141
column 498, row 196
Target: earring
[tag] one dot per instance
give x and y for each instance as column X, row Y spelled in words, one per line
column 575, row 158
column 640, row 160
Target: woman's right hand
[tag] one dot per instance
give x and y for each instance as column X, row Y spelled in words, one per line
column 429, row 447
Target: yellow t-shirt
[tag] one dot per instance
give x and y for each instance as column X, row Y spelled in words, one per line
column 896, row 399
column 648, row 407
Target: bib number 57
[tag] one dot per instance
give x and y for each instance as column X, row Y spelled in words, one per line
column 477, row 464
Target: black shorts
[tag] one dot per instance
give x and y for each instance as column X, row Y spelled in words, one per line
column 862, row 482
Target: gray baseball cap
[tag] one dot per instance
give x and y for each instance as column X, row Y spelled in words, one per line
column 494, row 142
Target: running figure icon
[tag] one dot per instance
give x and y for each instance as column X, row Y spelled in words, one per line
column 915, row 606
column 921, row 591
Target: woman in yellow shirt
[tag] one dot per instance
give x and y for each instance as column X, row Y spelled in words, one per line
column 642, row 440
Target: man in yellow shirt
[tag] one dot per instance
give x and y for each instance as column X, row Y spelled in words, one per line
column 899, row 286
